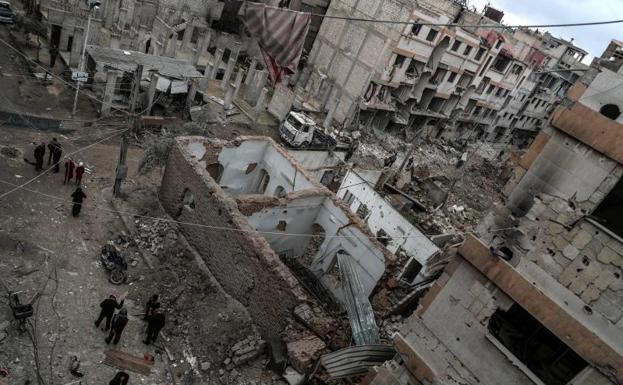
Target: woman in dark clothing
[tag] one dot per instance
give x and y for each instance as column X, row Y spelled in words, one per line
column 121, row 378
column 77, row 198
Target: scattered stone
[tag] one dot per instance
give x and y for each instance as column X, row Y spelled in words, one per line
column 304, row 352
column 205, row 366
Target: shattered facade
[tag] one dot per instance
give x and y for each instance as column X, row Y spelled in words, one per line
column 270, row 207
column 469, row 83
column 390, row 226
column 538, row 291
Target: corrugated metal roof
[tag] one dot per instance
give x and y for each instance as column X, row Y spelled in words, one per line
column 355, row 360
column 125, row 60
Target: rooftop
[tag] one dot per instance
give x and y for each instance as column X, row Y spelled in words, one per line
column 125, row 60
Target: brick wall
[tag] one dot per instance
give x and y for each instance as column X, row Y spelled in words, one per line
column 242, row 261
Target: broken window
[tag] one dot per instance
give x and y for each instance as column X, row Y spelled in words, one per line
column 490, row 89
column 610, row 211
column 216, row 171
column 438, row 75
column 549, row 358
column 451, row 77
column 348, row 198
column 610, row 111
column 516, row 69
column 280, row 192
column 432, row 34
column 383, row 237
column 188, row 199
column 410, row 271
column 501, row 63
column 455, row 46
column 400, row 60
column 498, row 44
column 468, row 50
column 478, row 56
column 416, row 28
column 264, row 179
column 414, row 68
column 281, row 226
column 363, row 211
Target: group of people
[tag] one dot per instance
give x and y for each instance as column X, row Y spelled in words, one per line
column 116, row 322
column 55, row 152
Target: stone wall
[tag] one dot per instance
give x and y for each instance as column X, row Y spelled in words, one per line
column 566, row 181
column 240, row 259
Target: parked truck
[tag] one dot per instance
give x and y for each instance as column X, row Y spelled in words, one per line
column 300, row 131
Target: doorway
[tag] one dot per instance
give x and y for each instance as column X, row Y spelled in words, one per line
column 55, row 35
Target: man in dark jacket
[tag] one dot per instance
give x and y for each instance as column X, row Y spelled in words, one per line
column 39, row 155
column 155, row 323
column 151, row 305
column 108, row 309
column 56, row 151
column 119, row 321
column 77, row 198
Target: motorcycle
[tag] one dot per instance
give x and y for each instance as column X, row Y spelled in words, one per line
column 114, row 262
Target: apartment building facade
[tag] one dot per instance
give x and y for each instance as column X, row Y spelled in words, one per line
column 536, row 295
column 472, row 82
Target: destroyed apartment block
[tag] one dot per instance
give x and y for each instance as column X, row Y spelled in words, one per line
column 476, row 81
column 535, row 295
column 260, row 213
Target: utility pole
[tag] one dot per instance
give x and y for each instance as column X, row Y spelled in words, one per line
column 122, row 167
column 93, row 5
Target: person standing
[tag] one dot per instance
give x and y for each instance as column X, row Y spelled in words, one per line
column 121, row 378
column 39, row 155
column 79, row 172
column 151, row 305
column 53, row 55
column 119, row 321
column 108, row 307
column 77, row 198
column 69, row 170
column 155, row 323
column 56, row 151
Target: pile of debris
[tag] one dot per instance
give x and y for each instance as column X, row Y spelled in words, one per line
column 244, row 351
column 160, row 238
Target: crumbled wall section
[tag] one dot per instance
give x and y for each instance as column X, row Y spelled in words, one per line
column 240, row 259
column 563, row 323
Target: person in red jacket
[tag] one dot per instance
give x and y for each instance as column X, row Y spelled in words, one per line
column 79, row 172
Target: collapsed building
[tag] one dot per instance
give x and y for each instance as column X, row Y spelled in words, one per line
column 468, row 83
column 536, row 295
column 271, row 234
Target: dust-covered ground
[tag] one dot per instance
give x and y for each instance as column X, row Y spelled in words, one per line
column 48, row 255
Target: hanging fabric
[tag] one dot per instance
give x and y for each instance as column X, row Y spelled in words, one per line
column 279, row 32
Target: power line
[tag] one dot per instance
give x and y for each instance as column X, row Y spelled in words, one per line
column 498, row 26
column 215, row 228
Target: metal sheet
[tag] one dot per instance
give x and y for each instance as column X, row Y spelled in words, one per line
column 355, row 360
column 360, row 312
column 179, row 87
column 163, row 84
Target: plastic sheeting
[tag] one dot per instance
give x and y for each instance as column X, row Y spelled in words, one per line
column 358, row 306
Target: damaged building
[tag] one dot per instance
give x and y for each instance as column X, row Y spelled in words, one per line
column 535, row 296
column 272, row 234
column 466, row 83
